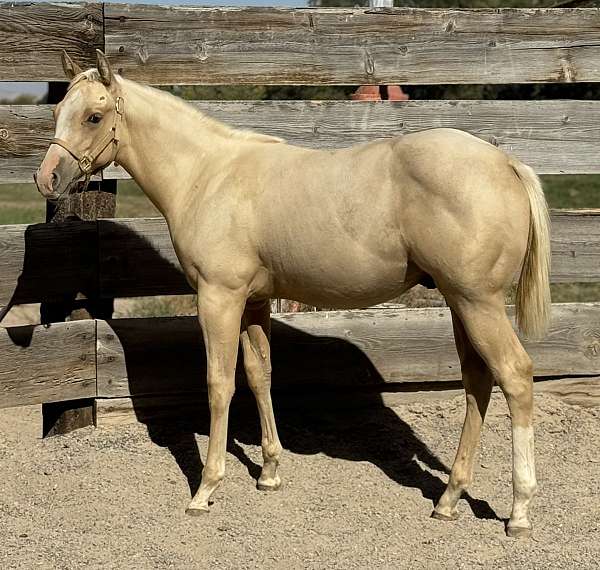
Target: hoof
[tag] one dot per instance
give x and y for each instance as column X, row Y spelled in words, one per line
column 268, row 486
column 442, row 517
column 518, row 532
column 196, row 511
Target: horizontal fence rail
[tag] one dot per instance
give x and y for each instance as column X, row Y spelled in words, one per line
column 195, row 45
column 338, row 349
column 554, row 137
column 32, row 36
column 337, row 46
column 40, row 364
column 135, row 257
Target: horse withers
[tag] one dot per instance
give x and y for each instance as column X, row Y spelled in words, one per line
column 252, row 217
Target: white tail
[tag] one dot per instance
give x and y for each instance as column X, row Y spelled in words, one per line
column 533, row 291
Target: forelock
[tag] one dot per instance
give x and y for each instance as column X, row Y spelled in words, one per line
column 89, row 75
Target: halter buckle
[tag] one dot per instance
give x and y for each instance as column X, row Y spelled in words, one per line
column 85, row 164
column 119, row 105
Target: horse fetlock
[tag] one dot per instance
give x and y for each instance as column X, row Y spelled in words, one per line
column 212, row 476
column 271, row 450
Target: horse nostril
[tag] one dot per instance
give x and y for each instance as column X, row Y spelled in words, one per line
column 55, row 181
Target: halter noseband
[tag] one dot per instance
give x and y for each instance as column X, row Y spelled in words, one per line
column 86, row 160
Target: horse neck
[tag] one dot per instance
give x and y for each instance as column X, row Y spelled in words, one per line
column 168, row 148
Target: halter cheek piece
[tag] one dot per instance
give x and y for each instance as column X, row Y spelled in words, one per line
column 86, row 160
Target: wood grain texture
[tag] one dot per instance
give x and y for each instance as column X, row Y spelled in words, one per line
column 153, row 410
column 575, row 245
column 147, row 357
column 47, row 364
column 134, row 262
column 554, row 137
column 32, row 36
column 352, row 46
column 135, row 257
column 47, row 262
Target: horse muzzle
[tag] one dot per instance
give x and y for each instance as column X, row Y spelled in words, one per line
column 56, row 174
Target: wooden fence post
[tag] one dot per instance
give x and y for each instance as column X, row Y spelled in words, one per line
column 98, row 201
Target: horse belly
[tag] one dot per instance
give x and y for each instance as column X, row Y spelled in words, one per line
column 338, row 281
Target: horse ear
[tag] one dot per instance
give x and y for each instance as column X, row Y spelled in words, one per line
column 70, row 68
column 104, row 69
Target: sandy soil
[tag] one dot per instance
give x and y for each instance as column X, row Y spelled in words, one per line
column 358, row 491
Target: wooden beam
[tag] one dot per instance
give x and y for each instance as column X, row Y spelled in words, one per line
column 135, row 257
column 47, row 262
column 33, row 35
column 150, row 357
column 189, row 45
column 554, row 137
column 47, row 364
column 332, row 403
column 575, row 246
column 97, row 200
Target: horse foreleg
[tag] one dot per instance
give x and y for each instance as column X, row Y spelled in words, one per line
column 257, row 362
column 220, row 312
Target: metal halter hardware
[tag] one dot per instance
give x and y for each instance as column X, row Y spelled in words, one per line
column 86, row 160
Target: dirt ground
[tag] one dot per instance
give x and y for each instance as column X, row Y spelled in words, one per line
column 358, row 490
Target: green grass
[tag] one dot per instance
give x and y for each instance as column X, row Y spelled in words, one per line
column 23, row 204
column 572, row 191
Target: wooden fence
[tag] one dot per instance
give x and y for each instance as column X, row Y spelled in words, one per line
column 160, row 361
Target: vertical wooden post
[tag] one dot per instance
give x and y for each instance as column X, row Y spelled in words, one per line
column 99, row 201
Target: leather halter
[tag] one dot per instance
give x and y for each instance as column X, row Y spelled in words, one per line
column 87, row 159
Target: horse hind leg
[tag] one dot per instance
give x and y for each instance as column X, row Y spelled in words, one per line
column 257, row 363
column 478, row 383
column 492, row 336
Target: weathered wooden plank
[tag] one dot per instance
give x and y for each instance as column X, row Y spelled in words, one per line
column 47, row 364
column 189, row 45
column 575, row 391
column 137, row 263
column 136, row 257
column 42, row 262
column 575, row 246
column 32, row 36
column 554, row 137
column 152, row 410
column 146, row 357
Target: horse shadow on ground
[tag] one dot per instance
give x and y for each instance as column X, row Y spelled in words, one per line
column 344, row 417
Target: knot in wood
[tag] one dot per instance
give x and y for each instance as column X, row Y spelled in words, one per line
column 592, row 350
column 369, row 63
column 143, row 54
column 201, row 52
column 3, row 134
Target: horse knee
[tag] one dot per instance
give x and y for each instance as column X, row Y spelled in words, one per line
column 219, row 395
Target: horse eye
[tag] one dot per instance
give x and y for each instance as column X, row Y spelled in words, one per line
column 95, row 118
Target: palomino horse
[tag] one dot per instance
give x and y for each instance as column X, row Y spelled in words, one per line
column 252, row 218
